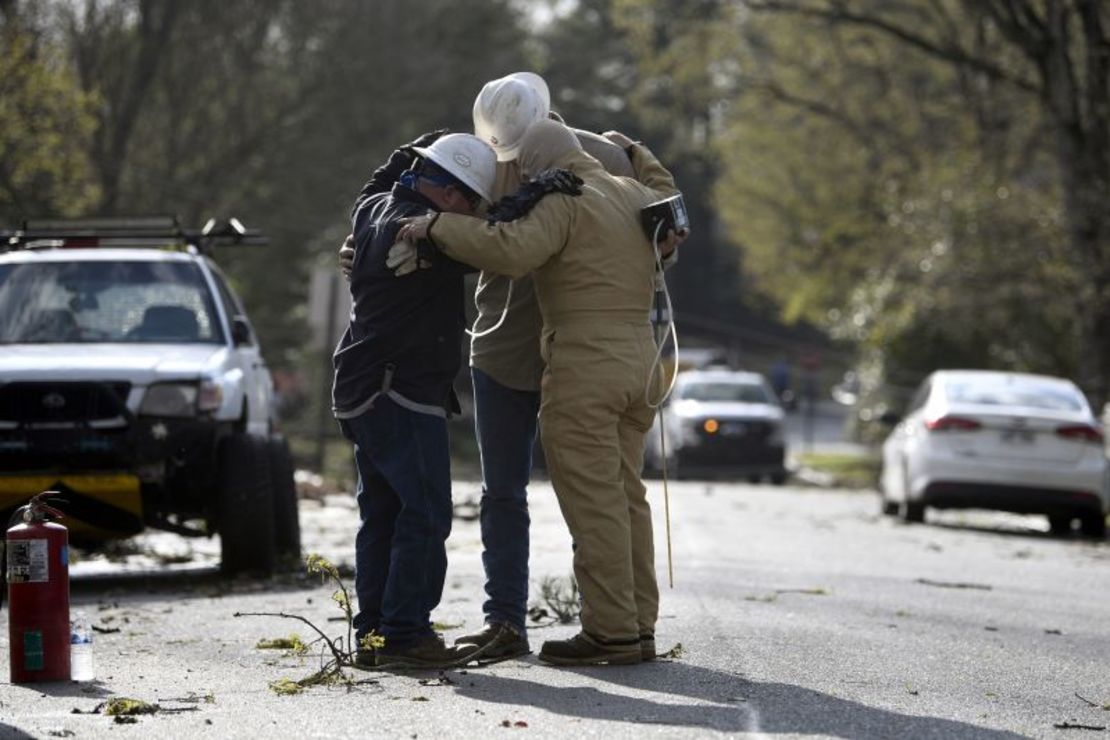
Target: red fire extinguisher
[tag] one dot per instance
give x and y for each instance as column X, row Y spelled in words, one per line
column 38, row 593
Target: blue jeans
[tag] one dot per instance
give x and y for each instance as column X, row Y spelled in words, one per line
column 505, row 422
column 404, row 503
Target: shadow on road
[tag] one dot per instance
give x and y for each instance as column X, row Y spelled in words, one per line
column 1003, row 530
column 155, row 583
column 76, row 689
column 736, row 704
column 13, row 733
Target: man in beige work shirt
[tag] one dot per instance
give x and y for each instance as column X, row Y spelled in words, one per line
column 594, row 280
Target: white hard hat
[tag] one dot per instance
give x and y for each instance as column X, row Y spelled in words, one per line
column 506, row 107
column 467, row 158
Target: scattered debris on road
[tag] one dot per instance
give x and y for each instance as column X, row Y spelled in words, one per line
column 954, row 584
column 1075, row 726
column 294, row 644
column 560, row 599
column 1104, row 706
column 674, row 653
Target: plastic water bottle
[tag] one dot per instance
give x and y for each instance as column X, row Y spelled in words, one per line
column 80, row 648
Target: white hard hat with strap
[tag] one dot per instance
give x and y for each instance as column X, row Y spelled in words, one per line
column 467, row 158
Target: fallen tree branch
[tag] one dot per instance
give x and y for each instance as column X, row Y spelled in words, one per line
column 954, row 584
column 339, row 655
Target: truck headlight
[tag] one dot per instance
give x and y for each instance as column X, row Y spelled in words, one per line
column 775, row 437
column 210, row 397
column 170, row 399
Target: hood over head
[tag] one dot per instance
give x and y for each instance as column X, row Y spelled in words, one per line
column 544, row 145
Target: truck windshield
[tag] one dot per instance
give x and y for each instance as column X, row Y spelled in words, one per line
column 96, row 301
column 736, row 392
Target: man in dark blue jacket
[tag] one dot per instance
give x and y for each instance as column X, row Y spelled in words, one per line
column 394, row 368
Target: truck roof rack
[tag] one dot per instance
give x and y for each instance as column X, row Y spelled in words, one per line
column 151, row 232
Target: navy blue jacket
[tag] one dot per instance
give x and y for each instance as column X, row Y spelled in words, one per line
column 412, row 324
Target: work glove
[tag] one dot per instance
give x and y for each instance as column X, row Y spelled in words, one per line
column 514, row 206
column 412, row 250
column 404, row 257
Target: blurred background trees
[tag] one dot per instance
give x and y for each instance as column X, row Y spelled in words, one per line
column 900, row 185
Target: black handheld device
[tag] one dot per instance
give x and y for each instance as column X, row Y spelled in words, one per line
column 671, row 212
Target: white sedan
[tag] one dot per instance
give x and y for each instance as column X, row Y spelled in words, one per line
column 1005, row 441
column 721, row 423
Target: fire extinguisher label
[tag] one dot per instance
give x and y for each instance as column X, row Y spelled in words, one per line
column 34, row 659
column 28, row 561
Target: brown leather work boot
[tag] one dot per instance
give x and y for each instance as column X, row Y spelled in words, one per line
column 585, row 650
column 430, row 652
column 501, row 640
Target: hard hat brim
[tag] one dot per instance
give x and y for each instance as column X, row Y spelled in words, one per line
column 429, row 154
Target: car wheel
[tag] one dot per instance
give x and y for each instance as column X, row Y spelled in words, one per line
column 913, row 512
column 245, row 509
column 754, row 478
column 890, row 508
column 1059, row 525
column 1093, row 525
column 778, row 478
column 287, row 525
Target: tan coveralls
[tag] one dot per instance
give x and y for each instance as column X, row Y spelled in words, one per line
column 511, row 355
column 594, row 277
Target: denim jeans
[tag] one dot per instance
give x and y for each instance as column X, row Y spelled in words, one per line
column 404, row 502
column 505, row 422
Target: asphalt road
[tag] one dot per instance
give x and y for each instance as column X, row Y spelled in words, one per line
column 801, row 613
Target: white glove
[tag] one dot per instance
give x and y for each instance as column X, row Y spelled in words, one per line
column 403, row 258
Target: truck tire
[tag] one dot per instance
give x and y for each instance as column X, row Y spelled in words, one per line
column 287, row 524
column 913, row 512
column 1093, row 526
column 1060, row 525
column 244, row 506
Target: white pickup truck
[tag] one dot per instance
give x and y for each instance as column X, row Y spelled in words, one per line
column 132, row 382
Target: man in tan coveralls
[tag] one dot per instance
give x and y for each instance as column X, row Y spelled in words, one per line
column 594, row 279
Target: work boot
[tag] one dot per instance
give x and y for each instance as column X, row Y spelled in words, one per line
column 647, row 648
column 501, row 640
column 585, row 650
column 366, row 659
column 428, row 652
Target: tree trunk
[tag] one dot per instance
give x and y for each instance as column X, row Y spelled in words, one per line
column 1080, row 113
column 156, row 21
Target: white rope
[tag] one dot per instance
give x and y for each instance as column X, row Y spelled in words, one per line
column 672, row 332
column 657, row 368
column 500, row 321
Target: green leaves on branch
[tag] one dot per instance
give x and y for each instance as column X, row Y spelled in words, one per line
column 46, row 126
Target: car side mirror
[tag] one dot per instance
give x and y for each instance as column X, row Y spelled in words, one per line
column 240, row 331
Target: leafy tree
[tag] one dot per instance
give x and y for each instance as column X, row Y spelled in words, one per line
column 214, row 108
column 686, row 80
column 45, row 128
column 1012, row 192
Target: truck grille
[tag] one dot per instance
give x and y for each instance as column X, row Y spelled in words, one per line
column 64, row 405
